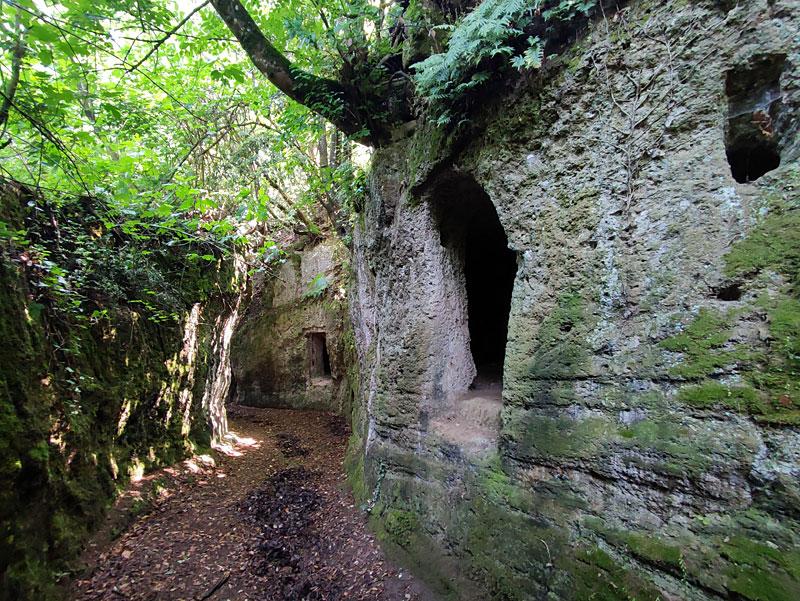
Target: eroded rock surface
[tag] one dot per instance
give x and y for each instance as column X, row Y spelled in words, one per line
column 648, row 443
column 289, row 350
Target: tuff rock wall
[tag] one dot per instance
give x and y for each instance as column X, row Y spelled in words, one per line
column 647, row 446
column 86, row 404
column 270, row 354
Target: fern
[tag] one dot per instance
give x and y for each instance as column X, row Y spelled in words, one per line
column 491, row 30
column 569, row 9
column 532, row 57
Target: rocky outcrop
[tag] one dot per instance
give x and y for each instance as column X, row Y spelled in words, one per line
column 290, row 348
column 648, row 440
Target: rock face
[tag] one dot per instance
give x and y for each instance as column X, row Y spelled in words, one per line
column 289, row 349
column 647, row 443
column 88, row 403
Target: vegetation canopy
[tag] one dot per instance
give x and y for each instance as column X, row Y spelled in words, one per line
column 224, row 123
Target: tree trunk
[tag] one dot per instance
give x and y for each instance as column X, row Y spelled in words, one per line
column 334, row 101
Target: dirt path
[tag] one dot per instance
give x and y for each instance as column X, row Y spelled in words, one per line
column 272, row 520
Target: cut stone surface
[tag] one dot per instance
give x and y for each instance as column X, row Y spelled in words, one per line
column 471, row 422
column 648, row 440
column 289, row 350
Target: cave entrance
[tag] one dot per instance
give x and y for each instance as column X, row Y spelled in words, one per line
column 470, row 228
column 478, row 275
column 752, row 133
column 489, row 271
column 319, row 362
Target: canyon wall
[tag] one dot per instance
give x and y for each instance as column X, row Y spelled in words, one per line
column 644, row 442
column 104, row 374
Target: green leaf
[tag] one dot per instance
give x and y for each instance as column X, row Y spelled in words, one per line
column 44, row 33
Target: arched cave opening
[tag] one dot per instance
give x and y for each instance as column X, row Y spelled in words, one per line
column 469, row 226
column 489, row 270
column 753, row 129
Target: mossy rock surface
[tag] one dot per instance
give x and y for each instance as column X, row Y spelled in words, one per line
column 86, row 401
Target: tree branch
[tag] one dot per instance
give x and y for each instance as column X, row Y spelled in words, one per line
column 13, row 79
column 50, row 136
column 168, row 35
column 326, row 97
column 287, row 208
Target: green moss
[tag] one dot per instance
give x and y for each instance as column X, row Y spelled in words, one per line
column 760, row 572
column 29, row 579
column 10, row 430
column 745, row 551
column 740, row 398
column 354, row 468
column 771, row 392
column 400, row 526
column 60, row 426
column 422, row 154
column 708, row 330
column 784, row 325
column 598, row 577
column 422, row 555
column 575, row 58
column 701, row 343
column 680, row 450
column 751, row 583
column 723, row 558
column 40, row 452
column 494, row 482
column 68, row 533
column 541, row 436
column 771, row 389
column 558, row 350
column 778, row 374
column 507, row 549
column 772, row 245
column 648, row 546
column 651, row 549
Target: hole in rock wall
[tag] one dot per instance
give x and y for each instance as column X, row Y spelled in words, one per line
column 470, row 227
column 319, row 362
column 751, row 161
column 730, row 293
column 489, row 270
column 752, row 136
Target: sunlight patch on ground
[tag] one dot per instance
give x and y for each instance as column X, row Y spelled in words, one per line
column 197, row 463
column 136, row 470
column 234, row 445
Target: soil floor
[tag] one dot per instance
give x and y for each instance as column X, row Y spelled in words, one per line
column 269, row 518
column 472, row 421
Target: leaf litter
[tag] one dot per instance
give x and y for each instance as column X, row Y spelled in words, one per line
column 270, row 519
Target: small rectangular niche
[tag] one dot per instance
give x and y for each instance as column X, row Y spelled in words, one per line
column 319, row 362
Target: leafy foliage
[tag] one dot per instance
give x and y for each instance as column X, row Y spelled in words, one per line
column 491, row 35
column 167, row 127
column 317, row 286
